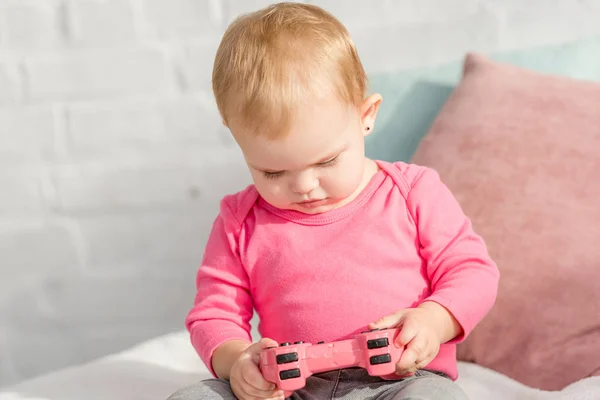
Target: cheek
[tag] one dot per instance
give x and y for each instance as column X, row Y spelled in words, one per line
column 269, row 189
column 345, row 181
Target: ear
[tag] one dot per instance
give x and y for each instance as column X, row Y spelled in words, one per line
column 368, row 112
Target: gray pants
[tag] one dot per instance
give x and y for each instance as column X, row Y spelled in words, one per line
column 347, row 384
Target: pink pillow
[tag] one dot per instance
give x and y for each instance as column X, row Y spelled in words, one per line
column 521, row 152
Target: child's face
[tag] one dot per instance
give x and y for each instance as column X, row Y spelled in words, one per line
column 319, row 165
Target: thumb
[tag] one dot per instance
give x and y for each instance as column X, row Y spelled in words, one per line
column 257, row 347
column 266, row 342
column 389, row 321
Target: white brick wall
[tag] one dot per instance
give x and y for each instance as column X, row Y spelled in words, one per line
column 100, row 22
column 26, row 135
column 31, row 24
column 113, row 158
column 181, row 19
column 98, row 73
column 9, row 82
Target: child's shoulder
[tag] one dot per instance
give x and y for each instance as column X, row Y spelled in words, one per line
column 408, row 175
column 236, row 206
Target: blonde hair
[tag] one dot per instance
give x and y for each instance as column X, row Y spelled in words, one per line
column 272, row 60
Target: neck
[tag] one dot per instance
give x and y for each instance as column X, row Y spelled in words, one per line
column 370, row 169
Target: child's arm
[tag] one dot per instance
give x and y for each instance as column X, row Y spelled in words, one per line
column 422, row 330
column 446, row 325
column 462, row 275
column 223, row 306
column 225, row 355
column 238, row 362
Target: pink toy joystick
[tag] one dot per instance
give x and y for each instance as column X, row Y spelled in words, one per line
column 288, row 366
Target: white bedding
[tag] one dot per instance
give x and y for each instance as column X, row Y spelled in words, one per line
column 155, row 369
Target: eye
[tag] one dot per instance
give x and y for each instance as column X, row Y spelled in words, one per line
column 329, row 162
column 272, row 175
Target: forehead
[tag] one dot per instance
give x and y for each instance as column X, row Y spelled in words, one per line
column 317, row 130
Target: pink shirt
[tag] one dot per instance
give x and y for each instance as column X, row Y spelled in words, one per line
column 325, row 277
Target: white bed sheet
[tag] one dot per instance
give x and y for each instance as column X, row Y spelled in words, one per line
column 155, row 369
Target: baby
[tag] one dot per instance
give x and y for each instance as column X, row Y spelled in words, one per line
column 327, row 243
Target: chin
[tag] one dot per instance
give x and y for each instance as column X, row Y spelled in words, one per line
column 330, row 205
column 312, row 211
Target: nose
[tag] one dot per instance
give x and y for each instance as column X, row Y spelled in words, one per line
column 305, row 183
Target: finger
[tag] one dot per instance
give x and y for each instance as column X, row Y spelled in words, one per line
column 407, row 362
column 253, row 377
column 408, row 331
column 280, row 396
column 257, row 347
column 388, row 321
column 267, row 342
column 256, row 393
column 244, row 391
column 415, row 356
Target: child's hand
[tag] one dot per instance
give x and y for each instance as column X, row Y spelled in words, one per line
column 246, row 379
column 420, row 332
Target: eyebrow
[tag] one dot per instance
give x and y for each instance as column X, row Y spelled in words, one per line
column 322, row 160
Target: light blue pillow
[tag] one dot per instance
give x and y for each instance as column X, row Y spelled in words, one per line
column 412, row 98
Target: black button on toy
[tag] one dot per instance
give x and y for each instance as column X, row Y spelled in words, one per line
column 382, row 359
column 377, row 343
column 289, row 374
column 285, row 344
column 286, row 358
column 321, row 342
column 299, row 342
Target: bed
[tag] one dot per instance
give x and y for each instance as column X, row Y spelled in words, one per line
column 156, row 368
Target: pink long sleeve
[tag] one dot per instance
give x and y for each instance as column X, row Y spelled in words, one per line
column 456, row 257
column 223, row 305
column 325, row 277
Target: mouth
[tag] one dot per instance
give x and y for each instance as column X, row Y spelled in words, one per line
column 312, row 203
